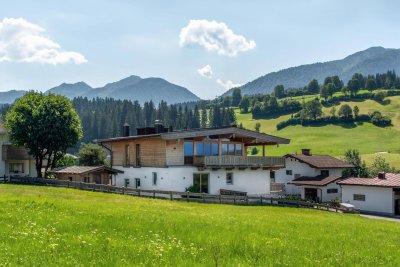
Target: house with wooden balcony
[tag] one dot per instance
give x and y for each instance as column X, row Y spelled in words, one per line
column 14, row 160
column 210, row 160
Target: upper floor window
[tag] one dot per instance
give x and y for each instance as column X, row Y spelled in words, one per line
column 239, row 150
column 127, row 155
column 231, row 149
column 224, row 148
column 215, row 150
column 207, row 149
column 272, row 176
column 188, row 149
column 199, row 149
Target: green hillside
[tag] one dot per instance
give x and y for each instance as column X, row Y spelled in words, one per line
column 44, row 226
column 336, row 139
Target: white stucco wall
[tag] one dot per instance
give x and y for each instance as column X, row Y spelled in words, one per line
column 3, row 139
column 254, row 182
column 323, row 192
column 300, row 169
column 377, row 199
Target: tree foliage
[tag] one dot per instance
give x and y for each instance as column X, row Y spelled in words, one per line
column 45, row 124
column 92, row 155
column 352, row 156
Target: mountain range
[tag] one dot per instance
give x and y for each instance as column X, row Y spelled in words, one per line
column 130, row 88
column 370, row 61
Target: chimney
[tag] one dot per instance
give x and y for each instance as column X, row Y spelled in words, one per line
column 381, row 175
column 126, row 130
column 159, row 127
column 306, row 151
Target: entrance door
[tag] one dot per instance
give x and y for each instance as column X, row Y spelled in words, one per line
column 201, row 181
column 397, row 206
column 311, row 193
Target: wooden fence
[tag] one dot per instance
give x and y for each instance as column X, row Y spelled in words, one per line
column 174, row 195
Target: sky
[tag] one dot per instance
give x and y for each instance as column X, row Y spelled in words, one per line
column 205, row 46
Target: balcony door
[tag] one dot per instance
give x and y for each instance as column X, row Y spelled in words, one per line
column 201, row 181
column 188, row 151
column 138, row 161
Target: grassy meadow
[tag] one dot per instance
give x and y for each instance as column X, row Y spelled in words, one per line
column 336, row 139
column 44, row 226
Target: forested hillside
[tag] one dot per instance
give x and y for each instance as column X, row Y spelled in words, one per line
column 370, row 61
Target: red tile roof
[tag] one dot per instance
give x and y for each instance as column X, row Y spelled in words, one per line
column 84, row 169
column 321, row 161
column 391, row 180
column 316, row 181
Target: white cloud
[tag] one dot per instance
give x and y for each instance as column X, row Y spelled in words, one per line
column 22, row 41
column 228, row 84
column 214, row 36
column 205, row 71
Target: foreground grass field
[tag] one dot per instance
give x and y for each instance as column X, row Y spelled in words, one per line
column 336, row 139
column 42, row 226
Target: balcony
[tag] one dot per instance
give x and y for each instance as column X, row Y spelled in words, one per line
column 239, row 161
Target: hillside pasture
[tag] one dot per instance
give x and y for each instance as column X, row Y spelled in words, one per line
column 45, row 226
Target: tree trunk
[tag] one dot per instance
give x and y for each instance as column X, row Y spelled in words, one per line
column 39, row 162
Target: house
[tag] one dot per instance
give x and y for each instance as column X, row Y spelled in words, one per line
column 87, row 174
column 14, row 161
column 380, row 195
column 205, row 160
column 311, row 176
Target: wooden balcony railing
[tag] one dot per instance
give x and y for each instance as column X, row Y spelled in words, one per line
column 239, row 161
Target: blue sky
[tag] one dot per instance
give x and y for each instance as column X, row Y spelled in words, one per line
column 104, row 41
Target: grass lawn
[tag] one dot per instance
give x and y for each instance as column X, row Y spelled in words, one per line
column 336, row 139
column 43, row 226
column 392, row 159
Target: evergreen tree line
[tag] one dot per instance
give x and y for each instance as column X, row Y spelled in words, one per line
column 104, row 118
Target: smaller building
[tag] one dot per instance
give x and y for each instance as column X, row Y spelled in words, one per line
column 311, row 171
column 380, row 195
column 319, row 188
column 87, row 174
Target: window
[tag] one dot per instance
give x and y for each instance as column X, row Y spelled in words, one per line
column 127, row 156
column 332, row 191
column 137, row 183
column 207, row 149
column 70, row 179
column 239, row 150
column 325, row 173
column 231, row 149
column 126, row 182
column 138, row 162
column 16, row 168
column 229, row 178
column 272, row 176
column 200, row 182
column 200, row 149
column 289, row 172
column 86, row 179
column 188, row 151
column 358, row 197
column 215, row 151
column 154, row 178
column 224, row 149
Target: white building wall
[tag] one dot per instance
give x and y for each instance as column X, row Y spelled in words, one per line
column 298, row 169
column 322, row 192
column 377, row 199
column 254, row 182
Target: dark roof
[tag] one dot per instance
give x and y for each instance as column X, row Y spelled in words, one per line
column 320, row 161
column 391, row 180
column 84, row 170
column 231, row 130
column 316, row 181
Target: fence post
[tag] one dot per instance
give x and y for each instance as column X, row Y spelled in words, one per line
column 80, row 185
column 261, row 200
column 94, row 187
column 203, row 196
column 234, row 199
column 187, row 196
column 139, row 192
column 220, row 199
column 123, row 190
column 154, row 193
column 170, row 195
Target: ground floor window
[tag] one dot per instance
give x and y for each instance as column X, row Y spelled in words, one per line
column 200, row 182
column 289, row 172
column 154, row 178
column 16, row 168
column 359, row 197
column 332, row 190
column 137, row 183
column 272, row 176
column 229, row 178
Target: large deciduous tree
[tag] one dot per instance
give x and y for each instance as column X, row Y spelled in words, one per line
column 45, row 124
column 92, row 155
